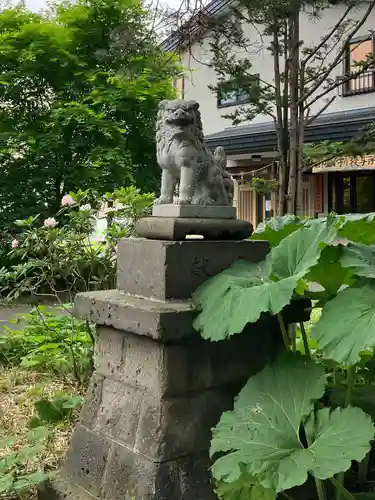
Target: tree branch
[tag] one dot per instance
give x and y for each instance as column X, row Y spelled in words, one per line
column 310, row 120
column 328, row 36
column 341, row 52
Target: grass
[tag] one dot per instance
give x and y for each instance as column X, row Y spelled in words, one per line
column 19, row 389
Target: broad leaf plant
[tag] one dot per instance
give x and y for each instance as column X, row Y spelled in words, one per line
column 279, row 432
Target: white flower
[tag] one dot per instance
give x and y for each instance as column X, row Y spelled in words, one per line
column 50, row 222
column 67, row 200
column 85, row 208
column 15, row 243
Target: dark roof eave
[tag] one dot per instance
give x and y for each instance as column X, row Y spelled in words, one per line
column 334, row 126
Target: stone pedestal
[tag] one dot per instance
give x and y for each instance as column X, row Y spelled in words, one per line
column 158, row 388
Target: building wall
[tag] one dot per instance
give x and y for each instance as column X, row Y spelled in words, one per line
column 199, row 76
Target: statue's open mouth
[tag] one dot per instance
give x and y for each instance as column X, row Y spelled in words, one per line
column 181, row 121
column 180, row 117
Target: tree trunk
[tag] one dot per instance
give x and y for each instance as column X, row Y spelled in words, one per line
column 294, row 112
column 281, row 121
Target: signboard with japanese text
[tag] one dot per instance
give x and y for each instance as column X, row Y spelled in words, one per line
column 346, row 164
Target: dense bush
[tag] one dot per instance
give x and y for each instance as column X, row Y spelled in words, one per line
column 58, row 256
column 49, row 341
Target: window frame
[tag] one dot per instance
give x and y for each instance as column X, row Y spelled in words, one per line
column 238, row 100
column 346, row 90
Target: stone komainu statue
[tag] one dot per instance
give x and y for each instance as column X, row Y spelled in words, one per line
column 186, row 161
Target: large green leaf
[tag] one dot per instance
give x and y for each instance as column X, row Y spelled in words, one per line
column 301, row 250
column 347, row 325
column 276, row 229
column 359, row 228
column 360, row 259
column 337, row 437
column 328, row 272
column 239, row 296
column 262, row 433
column 247, row 487
column 242, row 293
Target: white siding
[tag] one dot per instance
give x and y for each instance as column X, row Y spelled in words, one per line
column 199, row 76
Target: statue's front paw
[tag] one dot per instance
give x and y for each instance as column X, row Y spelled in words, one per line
column 182, row 201
column 205, row 200
column 163, row 200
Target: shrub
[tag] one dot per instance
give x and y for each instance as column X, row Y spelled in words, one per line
column 46, row 341
column 296, row 418
column 59, row 257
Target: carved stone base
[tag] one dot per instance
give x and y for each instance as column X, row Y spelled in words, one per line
column 178, row 228
column 194, row 211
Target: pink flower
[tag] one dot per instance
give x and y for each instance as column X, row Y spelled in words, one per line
column 67, row 200
column 15, row 244
column 50, row 222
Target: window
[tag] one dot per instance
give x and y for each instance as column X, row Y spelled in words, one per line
column 358, row 51
column 232, row 94
column 179, row 85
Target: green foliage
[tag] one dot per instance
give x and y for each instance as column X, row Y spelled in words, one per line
column 347, row 325
column 49, row 341
column 330, row 151
column 134, row 205
column 264, row 186
column 246, row 487
column 277, row 228
column 81, row 86
column 268, row 286
column 61, row 257
column 13, row 460
column 55, row 410
column 329, row 271
column 295, row 418
column 360, row 259
column 264, row 428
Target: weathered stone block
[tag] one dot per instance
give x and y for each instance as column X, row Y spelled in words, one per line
column 118, row 413
column 59, row 488
column 172, row 427
column 109, row 352
column 93, row 400
column 129, row 476
column 159, row 320
column 137, row 361
column 144, row 363
column 86, row 459
column 165, row 270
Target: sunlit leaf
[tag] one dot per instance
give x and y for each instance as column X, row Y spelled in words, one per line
column 360, row 259
column 262, row 433
column 276, row 229
column 329, row 272
column 225, row 299
column 347, row 325
column 247, row 487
